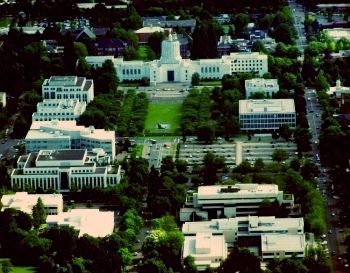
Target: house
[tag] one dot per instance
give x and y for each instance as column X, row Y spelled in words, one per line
column 79, row 34
column 144, row 33
column 266, row 114
column 211, row 202
column 224, row 45
column 187, row 25
column 109, row 46
column 62, row 170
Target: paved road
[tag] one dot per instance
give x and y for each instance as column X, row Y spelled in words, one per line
column 335, row 235
column 299, row 18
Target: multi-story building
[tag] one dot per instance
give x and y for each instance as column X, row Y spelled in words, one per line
column 266, row 114
column 25, row 202
column 62, row 170
column 93, row 222
column 266, row 86
column 68, row 135
column 172, row 68
column 208, row 250
column 50, row 109
column 274, row 237
column 219, row 201
column 68, row 87
column 3, row 99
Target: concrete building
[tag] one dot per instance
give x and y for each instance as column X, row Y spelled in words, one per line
column 338, row 33
column 172, row 68
column 338, row 90
column 245, row 226
column 55, row 134
column 282, row 246
column 208, row 250
column 266, row 114
column 211, row 202
column 274, row 237
column 266, row 86
column 50, row 109
column 92, row 222
column 68, row 87
column 62, row 170
column 25, row 202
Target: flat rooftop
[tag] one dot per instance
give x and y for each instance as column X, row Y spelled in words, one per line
column 60, row 155
column 266, row 106
column 338, row 33
column 258, row 82
column 286, row 243
column 236, row 190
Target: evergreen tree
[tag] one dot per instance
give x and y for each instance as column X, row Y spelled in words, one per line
column 39, row 214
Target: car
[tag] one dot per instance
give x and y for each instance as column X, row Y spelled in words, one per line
column 323, row 236
column 330, row 231
column 333, row 253
column 333, row 214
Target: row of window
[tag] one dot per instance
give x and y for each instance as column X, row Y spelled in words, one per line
column 210, row 69
column 246, row 61
column 267, row 116
column 264, row 120
column 131, row 71
column 265, row 125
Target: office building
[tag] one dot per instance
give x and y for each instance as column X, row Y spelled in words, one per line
column 266, row 114
column 68, row 87
column 172, row 68
column 268, row 87
column 92, row 222
column 25, row 202
column 208, row 250
column 211, row 202
column 46, row 135
column 49, row 109
column 62, row 170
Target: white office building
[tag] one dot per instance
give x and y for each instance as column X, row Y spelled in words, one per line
column 208, row 250
column 282, row 246
column 62, row 170
column 172, row 68
column 266, row 114
column 266, row 86
column 245, row 226
column 51, row 109
column 274, row 237
column 45, row 135
column 25, row 202
column 68, row 87
column 92, row 222
column 218, row 201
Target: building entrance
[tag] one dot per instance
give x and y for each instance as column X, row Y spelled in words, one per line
column 171, row 76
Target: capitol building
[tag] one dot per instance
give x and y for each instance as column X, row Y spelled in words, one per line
column 171, row 67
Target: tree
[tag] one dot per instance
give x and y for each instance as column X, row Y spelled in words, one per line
column 125, row 257
column 285, row 132
column 284, row 33
column 195, row 80
column 206, row 132
column 321, row 82
column 211, row 165
column 155, row 41
column 39, row 214
column 279, row 155
column 240, row 21
column 6, row 266
column 242, row 261
column 287, row 266
column 189, row 265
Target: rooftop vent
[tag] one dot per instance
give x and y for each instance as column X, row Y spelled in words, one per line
column 229, row 189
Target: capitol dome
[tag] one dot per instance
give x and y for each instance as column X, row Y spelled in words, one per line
column 170, row 50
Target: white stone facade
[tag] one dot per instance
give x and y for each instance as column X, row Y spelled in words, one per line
column 62, row 170
column 211, row 202
column 51, row 109
column 68, row 87
column 172, row 68
column 266, row 86
column 68, row 135
column 266, row 114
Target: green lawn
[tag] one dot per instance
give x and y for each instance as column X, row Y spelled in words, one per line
column 143, row 53
column 4, row 22
column 164, row 113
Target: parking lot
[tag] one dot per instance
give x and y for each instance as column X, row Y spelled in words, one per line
column 235, row 152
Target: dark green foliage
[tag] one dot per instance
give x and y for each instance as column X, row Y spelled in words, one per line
column 242, row 261
column 204, row 40
column 39, row 214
